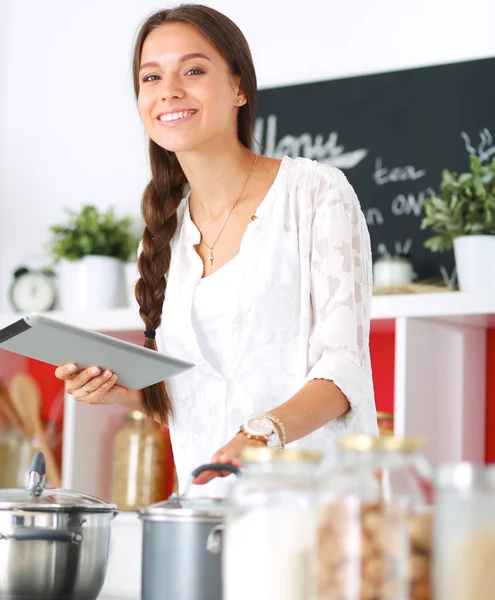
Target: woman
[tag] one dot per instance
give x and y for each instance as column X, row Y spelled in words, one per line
column 256, row 270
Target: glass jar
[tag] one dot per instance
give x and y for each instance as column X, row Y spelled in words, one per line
column 464, row 532
column 269, row 547
column 139, row 463
column 375, row 522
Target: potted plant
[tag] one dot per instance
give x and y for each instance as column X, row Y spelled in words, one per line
column 462, row 215
column 90, row 251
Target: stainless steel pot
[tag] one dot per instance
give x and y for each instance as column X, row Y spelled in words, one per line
column 53, row 543
column 182, row 547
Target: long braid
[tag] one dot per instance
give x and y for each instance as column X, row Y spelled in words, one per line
column 161, row 199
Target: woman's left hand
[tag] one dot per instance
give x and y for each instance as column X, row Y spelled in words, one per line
column 229, row 454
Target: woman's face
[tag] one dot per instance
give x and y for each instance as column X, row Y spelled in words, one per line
column 187, row 95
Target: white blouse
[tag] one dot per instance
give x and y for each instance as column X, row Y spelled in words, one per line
column 213, row 298
column 300, row 311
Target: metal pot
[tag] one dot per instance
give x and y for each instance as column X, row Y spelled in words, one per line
column 54, row 544
column 182, row 546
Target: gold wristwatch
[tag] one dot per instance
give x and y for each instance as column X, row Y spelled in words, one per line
column 261, row 429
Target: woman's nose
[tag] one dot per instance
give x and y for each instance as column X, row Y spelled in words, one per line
column 171, row 88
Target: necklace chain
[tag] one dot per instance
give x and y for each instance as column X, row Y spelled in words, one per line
column 211, row 258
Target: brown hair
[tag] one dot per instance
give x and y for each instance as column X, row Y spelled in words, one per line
column 164, row 192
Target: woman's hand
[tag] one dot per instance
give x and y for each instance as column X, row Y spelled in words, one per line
column 229, row 454
column 93, row 386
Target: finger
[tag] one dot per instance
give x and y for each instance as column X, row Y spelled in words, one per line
column 65, row 372
column 97, row 388
column 82, row 378
column 204, row 477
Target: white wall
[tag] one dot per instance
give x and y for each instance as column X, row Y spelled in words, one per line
column 72, row 131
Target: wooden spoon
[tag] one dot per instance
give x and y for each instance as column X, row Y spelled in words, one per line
column 26, row 397
column 7, row 408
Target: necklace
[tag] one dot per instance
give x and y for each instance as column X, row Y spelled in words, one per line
column 211, row 258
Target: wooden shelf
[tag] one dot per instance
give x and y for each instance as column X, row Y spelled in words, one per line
column 477, row 309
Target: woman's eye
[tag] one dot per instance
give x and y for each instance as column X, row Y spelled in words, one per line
column 195, row 71
column 150, row 78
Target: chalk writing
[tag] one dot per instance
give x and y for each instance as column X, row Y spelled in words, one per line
column 373, row 216
column 449, row 280
column 409, row 204
column 400, row 248
column 315, row 147
column 485, row 150
column 383, row 175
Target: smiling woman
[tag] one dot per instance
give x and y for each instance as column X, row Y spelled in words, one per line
column 256, row 270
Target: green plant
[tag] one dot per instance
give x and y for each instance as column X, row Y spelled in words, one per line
column 92, row 232
column 464, row 205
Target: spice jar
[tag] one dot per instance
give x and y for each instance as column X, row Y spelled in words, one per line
column 375, row 522
column 270, row 527
column 139, row 463
column 464, row 532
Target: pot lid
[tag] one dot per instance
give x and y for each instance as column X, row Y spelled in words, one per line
column 35, row 497
column 191, row 508
column 178, row 507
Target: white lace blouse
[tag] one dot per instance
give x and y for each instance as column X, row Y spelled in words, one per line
column 301, row 311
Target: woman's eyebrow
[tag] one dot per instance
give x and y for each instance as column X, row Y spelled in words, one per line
column 190, row 56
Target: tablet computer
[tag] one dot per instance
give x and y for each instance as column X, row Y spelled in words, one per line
column 50, row 341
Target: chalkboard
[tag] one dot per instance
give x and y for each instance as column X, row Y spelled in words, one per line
column 392, row 134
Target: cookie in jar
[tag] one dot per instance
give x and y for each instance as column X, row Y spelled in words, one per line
column 140, row 463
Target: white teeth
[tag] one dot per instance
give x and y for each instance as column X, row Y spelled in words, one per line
column 175, row 116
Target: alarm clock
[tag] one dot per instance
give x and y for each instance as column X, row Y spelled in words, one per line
column 33, row 290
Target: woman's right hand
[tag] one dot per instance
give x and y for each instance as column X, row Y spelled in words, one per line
column 93, row 386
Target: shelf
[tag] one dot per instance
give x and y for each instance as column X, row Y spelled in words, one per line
column 468, row 308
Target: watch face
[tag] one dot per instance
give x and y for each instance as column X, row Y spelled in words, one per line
column 33, row 291
column 259, row 426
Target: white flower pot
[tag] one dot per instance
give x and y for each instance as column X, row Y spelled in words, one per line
column 92, row 283
column 475, row 262
column 131, row 277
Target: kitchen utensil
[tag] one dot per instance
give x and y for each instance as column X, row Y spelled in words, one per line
column 26, row 397
column 15, row 447
column 7, row 408
column 182, row 549
column 54, row 544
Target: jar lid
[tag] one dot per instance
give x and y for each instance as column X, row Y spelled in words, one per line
column 186, row 509
column 36, row 498
column 385, row 415
column 464, row 476
column 135, row 415
column 366, row 443
column 251, row 454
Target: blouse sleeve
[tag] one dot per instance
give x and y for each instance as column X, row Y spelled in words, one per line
column 341, row 290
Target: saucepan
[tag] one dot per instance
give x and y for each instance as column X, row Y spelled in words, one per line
column 182, row 546
column 54, row 543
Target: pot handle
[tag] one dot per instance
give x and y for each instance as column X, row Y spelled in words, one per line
column 215, row 467
column 214, row 541
column 48, row 535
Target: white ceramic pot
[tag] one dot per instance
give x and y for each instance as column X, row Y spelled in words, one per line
column 475, row 262
column 131, row 277
column 393, row 271
column 92, row 283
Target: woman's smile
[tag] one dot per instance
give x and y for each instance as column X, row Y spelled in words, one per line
column 176, row 117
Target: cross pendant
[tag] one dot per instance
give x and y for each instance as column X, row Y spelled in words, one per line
column 210, row 259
